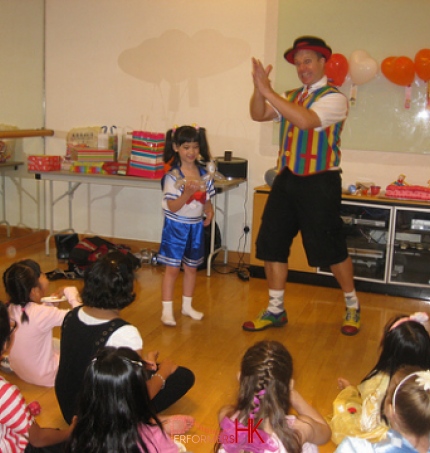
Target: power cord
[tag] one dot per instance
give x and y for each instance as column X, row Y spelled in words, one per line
column 241, row 269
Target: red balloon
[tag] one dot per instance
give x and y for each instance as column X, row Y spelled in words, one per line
column 336, row 69
column 399, row 70
column 422, row 64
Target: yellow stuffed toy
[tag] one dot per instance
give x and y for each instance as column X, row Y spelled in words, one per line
column 357, row 410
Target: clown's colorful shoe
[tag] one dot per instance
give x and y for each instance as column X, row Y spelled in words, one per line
column 266, row 319
column 351, row 321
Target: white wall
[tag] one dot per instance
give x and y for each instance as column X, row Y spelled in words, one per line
column 21, row 100
column 193, row 67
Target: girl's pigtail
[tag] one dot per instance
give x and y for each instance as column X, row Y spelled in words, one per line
column 256, row 403
column 168, row 146
column 204, row 145
column 24, row 316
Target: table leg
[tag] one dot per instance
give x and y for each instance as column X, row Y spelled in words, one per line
column 3, row 203
column 212, row 249
column 69, row 194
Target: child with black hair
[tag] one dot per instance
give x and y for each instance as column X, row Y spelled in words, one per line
column 407, row 409
column 260, row 421
column 19, row 432
column 34, row 353
column 108, row 288
column 358, row 411
column 114, row 385
column 187, row 208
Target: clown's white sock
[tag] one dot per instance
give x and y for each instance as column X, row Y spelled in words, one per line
column 351, row 300
column 276, row 301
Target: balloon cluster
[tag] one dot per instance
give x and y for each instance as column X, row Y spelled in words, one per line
column 211, row 174
column 401, row 70
column 362, row 68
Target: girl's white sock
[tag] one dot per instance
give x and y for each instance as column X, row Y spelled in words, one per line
column 188, row 310
column 167, row 317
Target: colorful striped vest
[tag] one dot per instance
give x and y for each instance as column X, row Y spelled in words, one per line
column 306, row 152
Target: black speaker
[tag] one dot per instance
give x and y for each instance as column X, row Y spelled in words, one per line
column 232, row 167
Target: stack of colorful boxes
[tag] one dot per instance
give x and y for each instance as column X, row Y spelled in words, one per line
column 146, row 158
column 89, row 160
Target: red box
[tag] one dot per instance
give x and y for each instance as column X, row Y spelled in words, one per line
column 41, row 162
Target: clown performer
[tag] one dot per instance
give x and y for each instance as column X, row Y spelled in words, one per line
column 306, row 193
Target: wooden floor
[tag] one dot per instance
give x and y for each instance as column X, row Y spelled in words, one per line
column 213, row 347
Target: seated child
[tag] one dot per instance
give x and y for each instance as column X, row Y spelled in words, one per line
column 407, row 409
column 115, row 385
column 266, row 395
column 108, row 288
column 19, row 432
column 34, row 354
column 357, row 410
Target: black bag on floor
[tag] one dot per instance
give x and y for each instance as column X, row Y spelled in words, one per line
column 64, row 244
column 88, row 250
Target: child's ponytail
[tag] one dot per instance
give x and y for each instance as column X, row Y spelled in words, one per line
column 169, row 152
column 19, row 279
column 204, row 145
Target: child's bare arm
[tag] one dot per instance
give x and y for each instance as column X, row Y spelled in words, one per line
column 43, row 437
column 311, row 423
column 209, row 212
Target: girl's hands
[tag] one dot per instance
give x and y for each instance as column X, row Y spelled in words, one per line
column 191, row 187
column 59, row 292
column 151, row 360
column 164, row 370
column 342, row 383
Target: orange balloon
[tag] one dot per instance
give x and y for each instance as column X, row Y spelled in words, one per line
column 422, row 64
column 387, row 66
column 336, row 69
column 399, row 70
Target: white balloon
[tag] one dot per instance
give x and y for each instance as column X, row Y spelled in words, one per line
column 362, row 67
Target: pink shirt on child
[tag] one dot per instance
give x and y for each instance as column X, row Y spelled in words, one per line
column 157, row 441
column 32, row 354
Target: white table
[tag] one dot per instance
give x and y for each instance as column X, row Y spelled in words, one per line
column 6, row 166
column 74, row 180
